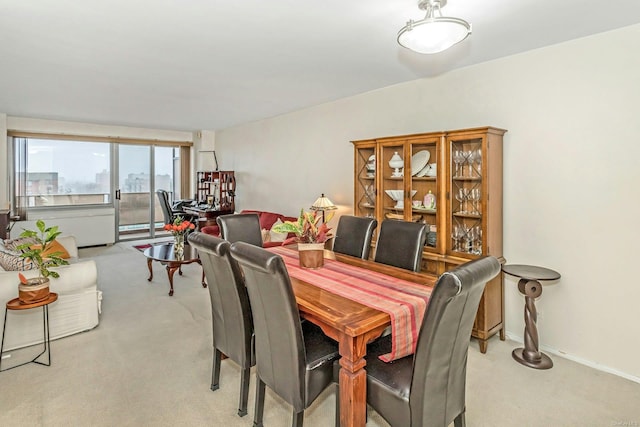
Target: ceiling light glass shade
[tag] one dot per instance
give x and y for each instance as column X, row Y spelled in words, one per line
column 434, row 33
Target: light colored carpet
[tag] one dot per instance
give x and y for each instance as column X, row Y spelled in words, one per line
column 148, row 363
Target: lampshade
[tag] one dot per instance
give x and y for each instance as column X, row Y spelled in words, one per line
column 322, row 203
column 435, row 32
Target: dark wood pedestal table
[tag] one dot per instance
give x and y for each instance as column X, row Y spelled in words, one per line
column 15, row 304
column 164, row 253
column 529, row 285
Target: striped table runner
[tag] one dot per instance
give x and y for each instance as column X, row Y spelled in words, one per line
column 404, row 301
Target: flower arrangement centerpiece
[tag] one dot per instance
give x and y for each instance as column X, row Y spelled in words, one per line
column 41, row 250
column 179, row 228
column 310, row 233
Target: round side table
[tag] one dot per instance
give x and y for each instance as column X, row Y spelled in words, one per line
column 529, row 285
column 15, row 304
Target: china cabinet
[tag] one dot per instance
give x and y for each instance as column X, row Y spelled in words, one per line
column 451, row 181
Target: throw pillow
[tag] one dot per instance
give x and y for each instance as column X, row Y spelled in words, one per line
column 267, row 219
column 12, row 245
column 277, row 237
column 266, row 236
column 12, row 261
column 53, row 247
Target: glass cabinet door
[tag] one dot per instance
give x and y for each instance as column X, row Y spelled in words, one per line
column 393, row 189
column 466, row 195
column 423, row 181
column 365, row 185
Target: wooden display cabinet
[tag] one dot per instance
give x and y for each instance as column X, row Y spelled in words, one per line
column 216, row 189
column 466, row 220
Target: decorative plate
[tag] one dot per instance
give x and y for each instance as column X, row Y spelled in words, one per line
column 419, row 161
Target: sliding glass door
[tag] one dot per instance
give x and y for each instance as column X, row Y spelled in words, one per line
column 133, row 191
column 141, row 170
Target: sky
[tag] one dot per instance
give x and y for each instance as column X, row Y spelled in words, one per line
column 80, row 161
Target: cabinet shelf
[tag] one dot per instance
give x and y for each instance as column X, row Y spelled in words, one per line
column 467, row 215
column 424, row 210
column 467, row 178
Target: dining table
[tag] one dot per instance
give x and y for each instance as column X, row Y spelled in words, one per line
column 322, row 300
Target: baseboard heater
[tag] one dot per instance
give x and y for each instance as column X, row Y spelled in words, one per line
column 90, row 227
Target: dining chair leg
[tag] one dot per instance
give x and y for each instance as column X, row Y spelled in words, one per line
column 244, row 391
column 298, row 419
column 215, row 370
column 459, row 421
column 260, row 390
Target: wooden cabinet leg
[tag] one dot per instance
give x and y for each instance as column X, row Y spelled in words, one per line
column 483, row 346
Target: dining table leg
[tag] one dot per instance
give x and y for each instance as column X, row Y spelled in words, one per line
column 353, row 381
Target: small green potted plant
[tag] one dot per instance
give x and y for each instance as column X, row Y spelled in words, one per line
column 39, row 251
column 310, row 234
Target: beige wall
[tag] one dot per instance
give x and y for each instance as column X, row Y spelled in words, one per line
column 571, row 175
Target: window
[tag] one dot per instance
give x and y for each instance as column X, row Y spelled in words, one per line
column 61, row 173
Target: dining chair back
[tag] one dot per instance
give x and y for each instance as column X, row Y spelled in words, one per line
column 353, row 235
column 230, row 310
column 428, row 388
column 293, row 359
column 240, row 228
column 400, row 244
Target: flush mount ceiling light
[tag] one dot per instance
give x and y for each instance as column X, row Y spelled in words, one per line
column 435, row 32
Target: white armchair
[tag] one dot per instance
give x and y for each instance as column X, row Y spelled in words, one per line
column 76, row 310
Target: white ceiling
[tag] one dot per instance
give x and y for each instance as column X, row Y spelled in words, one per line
column 211, row 64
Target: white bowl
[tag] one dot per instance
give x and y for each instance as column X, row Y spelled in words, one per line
column 398, row 195
column 395, row 194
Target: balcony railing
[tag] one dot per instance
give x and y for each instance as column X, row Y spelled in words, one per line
column 134, row 208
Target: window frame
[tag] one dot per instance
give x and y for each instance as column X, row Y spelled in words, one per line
column 14, row 169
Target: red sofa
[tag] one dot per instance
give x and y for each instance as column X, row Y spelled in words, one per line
column 267, row 219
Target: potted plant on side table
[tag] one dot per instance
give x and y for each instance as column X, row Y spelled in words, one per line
column 44, row 255
column 310, row 234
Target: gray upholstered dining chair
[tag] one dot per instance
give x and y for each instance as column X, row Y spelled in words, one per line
column 428, row 388
column 230, row 311
column 400, row 244
column 353, row 235
column 240, row 228
column 294, row 359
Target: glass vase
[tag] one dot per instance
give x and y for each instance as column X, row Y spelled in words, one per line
column 178, row 244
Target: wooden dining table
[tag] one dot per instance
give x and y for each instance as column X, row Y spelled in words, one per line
column 352, row 325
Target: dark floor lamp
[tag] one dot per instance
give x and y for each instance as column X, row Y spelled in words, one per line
column 322, row 203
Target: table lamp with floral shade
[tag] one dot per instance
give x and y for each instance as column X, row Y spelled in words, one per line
column 322, row 204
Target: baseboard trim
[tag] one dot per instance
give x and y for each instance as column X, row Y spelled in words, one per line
column 586, row 362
